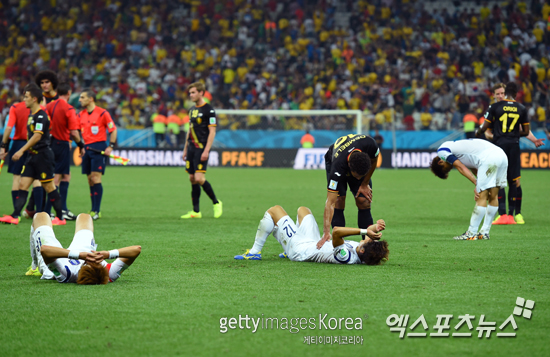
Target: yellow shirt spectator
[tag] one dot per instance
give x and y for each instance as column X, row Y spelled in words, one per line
column 541, row 114
column 228, row 76
column 426, row 119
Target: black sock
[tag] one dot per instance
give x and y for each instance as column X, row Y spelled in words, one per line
column 39, row 198
column 207, row 187
column 195, row 196
column 338, row 219
column 48, row 206
column 14, row 197
column 364, row 218
column 519, row 196
column 512, row 192
column 63, row 191
column 30, row 204
column 99, row 195
column 19, row 203
column 92, row 197
column 55, row 199
column 501, row 202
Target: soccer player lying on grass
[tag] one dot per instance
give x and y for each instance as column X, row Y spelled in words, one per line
column 302, row 241
column 489, row 163
column 81, row 263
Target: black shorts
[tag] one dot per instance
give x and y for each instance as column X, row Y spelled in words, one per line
column 193, row 161
column 15, row 167
column 93, row 161
column 346, row 181
column 39, row 166
column 513, row 153
column 62, row 153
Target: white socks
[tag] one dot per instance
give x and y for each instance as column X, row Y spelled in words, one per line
column 477, row 216
column 489, row 216
column 34, row 263
column 264, row 230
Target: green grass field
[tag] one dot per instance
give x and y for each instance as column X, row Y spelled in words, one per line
column 171, row 300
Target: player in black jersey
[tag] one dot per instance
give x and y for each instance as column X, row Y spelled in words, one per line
column 351, row 160
column 40, row 162
column 502, row 217
column 202, row 131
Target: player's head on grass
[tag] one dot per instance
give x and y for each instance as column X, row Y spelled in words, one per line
column 440, row 168
column 359, row 164
column 511, row 90
column 92, row 274
column 32, row 95
column 372, row 252
column 47, row 80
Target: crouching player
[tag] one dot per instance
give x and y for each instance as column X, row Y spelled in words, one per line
column 302, row 241
column 80, row 263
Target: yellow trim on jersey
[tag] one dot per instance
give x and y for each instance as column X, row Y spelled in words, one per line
column 195, row 139
column 38, row 131
column 517, row 178
column 200, row 171
column 46, row 181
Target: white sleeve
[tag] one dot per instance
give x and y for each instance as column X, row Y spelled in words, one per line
column 342, row 254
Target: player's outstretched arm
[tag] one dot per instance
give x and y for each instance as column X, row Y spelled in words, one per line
column 374, row 232
column 328, row 214
column 127, row 254
column 465, row 171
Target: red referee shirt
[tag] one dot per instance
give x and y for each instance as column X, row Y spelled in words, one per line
column 63, row 119
column 94, row 125
column 19, row 115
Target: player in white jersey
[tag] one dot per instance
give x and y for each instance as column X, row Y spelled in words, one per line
column 81, row 263
column 475, row 157
column 302, row 241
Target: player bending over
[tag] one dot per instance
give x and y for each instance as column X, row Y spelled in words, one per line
column 81, row 263
column 302, row 241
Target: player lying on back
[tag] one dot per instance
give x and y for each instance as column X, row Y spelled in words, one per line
column 81, row 263
column 302, row 241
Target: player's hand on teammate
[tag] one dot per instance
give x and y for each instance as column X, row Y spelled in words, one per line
column 366, row 191
column 326, row 237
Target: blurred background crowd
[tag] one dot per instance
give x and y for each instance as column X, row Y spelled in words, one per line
column 423, row 65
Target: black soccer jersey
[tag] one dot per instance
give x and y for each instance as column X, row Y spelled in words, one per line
column 200, row 118
column 342, row 149
column 504, row 119
column 39, row 122
column 50, row 99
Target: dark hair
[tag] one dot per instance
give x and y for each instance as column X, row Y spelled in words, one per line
column 63, row 88
column 92, row 274
column 34, row 91
column 49, row 75
column 374, row 252
column 511, row 90
column 89, row 92
column 437, row 169
column 359, row 162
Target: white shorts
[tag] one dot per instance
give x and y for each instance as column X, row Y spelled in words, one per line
column 493, row 170
column 299, row 243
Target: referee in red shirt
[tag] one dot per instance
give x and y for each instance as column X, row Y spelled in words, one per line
column 94, row 124
column 65, row 126
column 18, row 117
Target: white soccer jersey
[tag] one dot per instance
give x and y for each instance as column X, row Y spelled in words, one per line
column 489, row 160
column 300, row 243
column 470, row 152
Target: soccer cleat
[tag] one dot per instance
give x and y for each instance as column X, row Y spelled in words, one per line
column 248, row 256
column 496, row 218
column 58, row 222
column 68, row 215
column 503, row 219
column 519, row 219
column 467, row 236
column 28, row 214
column 283, row 255
column 511, row 219
column 10, row 220
column 96, row 215
column 481, row 236
column 192, row 214
column 33, row 272
column 218, row 209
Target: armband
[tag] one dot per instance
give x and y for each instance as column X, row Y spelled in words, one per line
column 113, row 254
column 112, row 145
column 363, row 231
column 80, row 144
column 73, row 254
column 3, row 145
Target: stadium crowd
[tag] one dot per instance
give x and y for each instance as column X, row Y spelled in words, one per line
column 394, row 61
